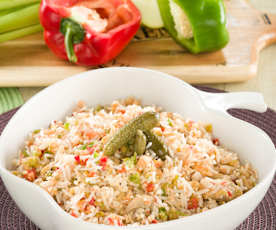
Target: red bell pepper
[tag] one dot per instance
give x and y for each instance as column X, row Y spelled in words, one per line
column 88, row 32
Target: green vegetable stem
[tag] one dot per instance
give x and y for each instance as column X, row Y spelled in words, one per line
column 24, row 17
column 18, row 18
column 9, row 4
column 20, row 33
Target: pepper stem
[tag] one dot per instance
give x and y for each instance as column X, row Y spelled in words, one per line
column 69, row 47
column 74, row 34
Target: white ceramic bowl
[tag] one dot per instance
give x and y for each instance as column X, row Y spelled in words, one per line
column 105, row 85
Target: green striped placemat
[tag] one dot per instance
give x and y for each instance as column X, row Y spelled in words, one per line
column 9, row 99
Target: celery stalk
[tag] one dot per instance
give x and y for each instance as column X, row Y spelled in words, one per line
column 20, row 33
column 8, row 4
column 24, row 17
column 4, row 12
column 8, row 11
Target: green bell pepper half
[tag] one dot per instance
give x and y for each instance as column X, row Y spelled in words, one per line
column 208, row 22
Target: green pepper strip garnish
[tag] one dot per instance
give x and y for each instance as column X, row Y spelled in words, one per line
column 208, row 22
column 157, row 145
column 145, row 121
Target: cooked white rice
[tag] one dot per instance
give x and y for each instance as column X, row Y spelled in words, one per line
column 67, row 161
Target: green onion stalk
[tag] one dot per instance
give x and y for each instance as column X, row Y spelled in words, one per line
column 18, row 18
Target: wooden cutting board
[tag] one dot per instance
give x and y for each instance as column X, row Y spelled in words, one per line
column 28, row 61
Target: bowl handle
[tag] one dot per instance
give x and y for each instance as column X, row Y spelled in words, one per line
column 238, row 100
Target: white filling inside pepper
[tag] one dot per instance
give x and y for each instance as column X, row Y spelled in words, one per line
column 90, row 17
column 181, row 21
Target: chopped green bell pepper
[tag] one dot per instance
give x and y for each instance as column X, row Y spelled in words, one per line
column 201, row 27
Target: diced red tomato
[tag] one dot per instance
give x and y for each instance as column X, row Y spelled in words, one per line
column 92, row 201
column 154, row 221
column 91, row 174
column 119, row 223
column 111, row 221
column 30, row 175
column 150, row 187
column 90, row 134
column 73, row 214
column 122, row 111
column 80, row 161
column 77, row 158
column 162, row 129
column 216, row 141
column 83, row 162
column 193, row 203
column 103, row 162
column 229, row 193
column 122, row 170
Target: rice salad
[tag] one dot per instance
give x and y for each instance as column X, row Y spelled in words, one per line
column 68, row 160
